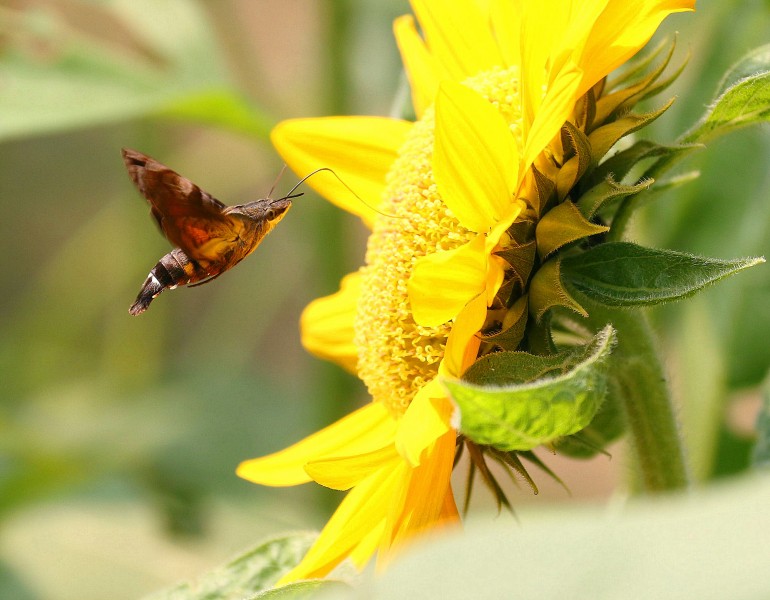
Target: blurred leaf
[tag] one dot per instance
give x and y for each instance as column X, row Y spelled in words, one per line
column 624, row 274
column 563, row 395
column 78, row 80
column 743, row 98
column 704, row 546
column 254, row 571
column 761, row 456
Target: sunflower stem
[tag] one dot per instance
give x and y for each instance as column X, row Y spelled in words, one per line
column 657, row 451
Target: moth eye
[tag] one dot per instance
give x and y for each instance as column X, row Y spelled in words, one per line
column 270, row 214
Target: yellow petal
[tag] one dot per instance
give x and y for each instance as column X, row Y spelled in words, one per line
column 538, row 37
column 449, row 512
column 556, row 108
column 458, row 35
column 361, row 554
column 367, row 429
column 345, row 472
column 428, row 488
column 621, row 31
column 422, row 69
column 427, row 501
column 501, row 227
column 463, row 344
column 554, row 33
column 395, row 514
column 475, row 160
column 425, row 420
column 362, row 510
column 505, row 16
column 327, row 324
column 495, row 275
column 443, row 282
column 360, row 150
column 571, row 32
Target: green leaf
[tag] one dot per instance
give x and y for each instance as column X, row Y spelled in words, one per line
column 743, row 98
column 746, row 103
column 762, row 448
column 253, row 572
column 607, row 426
column 753, row 63
column 624, row 274
column 518, row 401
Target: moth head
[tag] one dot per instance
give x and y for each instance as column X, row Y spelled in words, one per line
column 276, row 209
column 269, row 210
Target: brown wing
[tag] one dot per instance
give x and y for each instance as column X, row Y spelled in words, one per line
column 189, row 217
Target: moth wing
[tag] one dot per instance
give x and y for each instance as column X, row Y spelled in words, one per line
column 189, row 217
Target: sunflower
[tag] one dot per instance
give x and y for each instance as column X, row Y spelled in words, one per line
column 461, row 191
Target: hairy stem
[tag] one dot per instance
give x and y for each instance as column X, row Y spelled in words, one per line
column 656, row 446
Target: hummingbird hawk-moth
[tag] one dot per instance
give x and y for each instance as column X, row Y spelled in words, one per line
column 209, row 236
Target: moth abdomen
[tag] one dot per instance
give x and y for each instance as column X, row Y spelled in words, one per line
column 174, row 269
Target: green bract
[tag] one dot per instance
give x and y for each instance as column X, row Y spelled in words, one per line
column 518, row 401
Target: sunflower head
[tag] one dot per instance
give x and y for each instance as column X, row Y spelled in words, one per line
column 483, row 201
column 560, row 197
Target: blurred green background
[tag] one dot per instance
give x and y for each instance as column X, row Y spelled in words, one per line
column 119, row 436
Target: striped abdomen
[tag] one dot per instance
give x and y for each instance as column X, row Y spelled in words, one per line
column 172, row 270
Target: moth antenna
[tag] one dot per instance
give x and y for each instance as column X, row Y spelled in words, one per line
column 364, row 202
column 277, row 179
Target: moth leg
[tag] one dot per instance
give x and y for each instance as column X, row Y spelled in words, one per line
column 207, row 280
